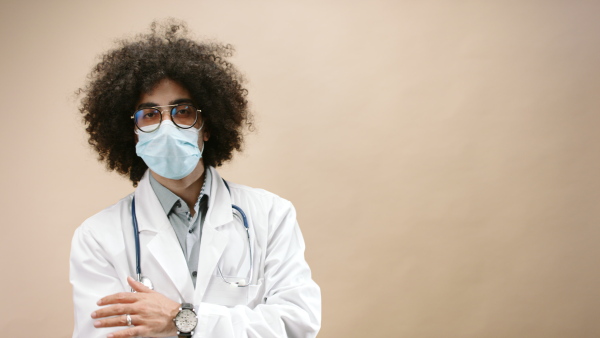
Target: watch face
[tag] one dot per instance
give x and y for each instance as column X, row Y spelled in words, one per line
column 186, row 321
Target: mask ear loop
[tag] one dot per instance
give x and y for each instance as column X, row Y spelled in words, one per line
column 203, row 142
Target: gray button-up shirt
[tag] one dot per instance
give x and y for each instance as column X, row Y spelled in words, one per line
column 187, row 227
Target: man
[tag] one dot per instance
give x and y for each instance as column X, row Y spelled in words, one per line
column 216, row 259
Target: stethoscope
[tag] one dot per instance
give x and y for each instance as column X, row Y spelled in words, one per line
column 148, row 283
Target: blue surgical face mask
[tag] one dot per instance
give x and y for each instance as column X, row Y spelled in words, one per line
column 169, row 151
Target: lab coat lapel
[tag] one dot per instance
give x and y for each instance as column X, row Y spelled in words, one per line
column 166, row 250
column 214, row 236
column 160, row 240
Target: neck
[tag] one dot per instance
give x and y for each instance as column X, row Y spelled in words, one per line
column 187, row 188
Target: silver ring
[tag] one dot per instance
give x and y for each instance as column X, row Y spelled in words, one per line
column 128, row 320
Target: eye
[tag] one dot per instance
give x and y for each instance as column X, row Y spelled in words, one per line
column 184, row 111
column 149, row 114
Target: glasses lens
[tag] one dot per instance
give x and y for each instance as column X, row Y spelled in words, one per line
column 184, row 115
column 147, row 119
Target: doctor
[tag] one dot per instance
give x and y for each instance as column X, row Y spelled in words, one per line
column 165, row 111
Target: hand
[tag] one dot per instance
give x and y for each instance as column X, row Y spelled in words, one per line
column 151, row 312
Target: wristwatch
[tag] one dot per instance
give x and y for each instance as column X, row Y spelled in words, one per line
column 186, row 320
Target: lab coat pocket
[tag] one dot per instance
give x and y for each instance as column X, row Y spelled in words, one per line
column 256, row 294
column 220, row 293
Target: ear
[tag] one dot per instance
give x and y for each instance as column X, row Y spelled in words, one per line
column 205, row 136
column 135, row 135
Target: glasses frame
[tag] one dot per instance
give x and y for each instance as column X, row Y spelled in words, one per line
column 161, row 111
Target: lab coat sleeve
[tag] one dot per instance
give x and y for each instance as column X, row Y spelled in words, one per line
column 291, row 304
column 92, row 277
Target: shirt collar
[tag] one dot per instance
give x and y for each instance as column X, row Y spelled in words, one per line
column 168, row 199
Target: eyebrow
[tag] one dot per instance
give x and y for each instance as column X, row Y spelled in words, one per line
column 152, row 104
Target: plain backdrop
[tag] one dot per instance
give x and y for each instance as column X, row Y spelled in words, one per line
column 443, row 156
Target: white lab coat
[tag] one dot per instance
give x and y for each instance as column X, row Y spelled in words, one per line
column 283, row 300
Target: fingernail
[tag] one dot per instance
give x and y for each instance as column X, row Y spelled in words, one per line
column 97, row 323
column 93, row 314
column 110, row 335
column 99, row 302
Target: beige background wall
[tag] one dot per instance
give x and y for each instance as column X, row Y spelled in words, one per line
column 443, row 155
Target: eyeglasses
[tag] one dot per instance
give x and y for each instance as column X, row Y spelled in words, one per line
column 148, row 119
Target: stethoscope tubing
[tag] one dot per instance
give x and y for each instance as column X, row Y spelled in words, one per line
column 247, row 227
column 136, row 235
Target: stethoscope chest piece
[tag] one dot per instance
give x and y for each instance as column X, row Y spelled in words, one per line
column 144, row 280
column 147, row 282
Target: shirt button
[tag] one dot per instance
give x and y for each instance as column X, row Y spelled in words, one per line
column 194, row 274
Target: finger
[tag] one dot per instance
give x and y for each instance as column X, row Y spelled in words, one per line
column 120, row 320
column 114, row 310
column 134, row 331
column 118, row 298
column 137, row 286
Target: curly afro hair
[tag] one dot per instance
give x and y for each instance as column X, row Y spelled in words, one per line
column 136, row 66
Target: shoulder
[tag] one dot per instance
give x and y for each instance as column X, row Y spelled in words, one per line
column 107, row 221
column 98, row 248
column 268, row 213
column 256, row 196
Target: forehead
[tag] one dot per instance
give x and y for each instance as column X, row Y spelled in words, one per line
column 163, row 93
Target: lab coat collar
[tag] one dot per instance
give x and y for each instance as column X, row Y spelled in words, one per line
column 151, row 215
column 149, row 211
column 219, row 204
